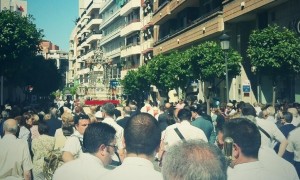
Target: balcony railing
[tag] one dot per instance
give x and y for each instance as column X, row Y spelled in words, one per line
column 194, row 23
column 161, row 6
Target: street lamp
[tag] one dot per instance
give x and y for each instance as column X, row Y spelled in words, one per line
column 224, row 41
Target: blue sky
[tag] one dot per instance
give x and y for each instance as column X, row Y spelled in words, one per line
column 56, row 18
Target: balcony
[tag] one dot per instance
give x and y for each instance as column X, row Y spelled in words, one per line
column 130, row 50
column 93, row 36
column 169, row 9
column 113, row 53
column 93, row 5
column 88, row 55
column 209, row 25
column 133, row 26
column 127, row 8
column 147, row 45
column 234, row 9
column 108, row 37
column 147, row 19
column 83, row 71
column 109, row 20
column 92, row 22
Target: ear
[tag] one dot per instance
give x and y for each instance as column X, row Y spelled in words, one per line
column 236, row 151
column 102, row 149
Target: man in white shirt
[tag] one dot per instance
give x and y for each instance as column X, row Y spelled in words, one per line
column 185, row 128
column 142, row 137
column 270, row 128
column 294, row 147
column 15, row 159
column 72, row 148
column 108, row 114
column 99, row 145
column 194, row 159
column 247, row 141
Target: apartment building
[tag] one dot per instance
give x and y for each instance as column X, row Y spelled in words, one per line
column 19, row 6
column 111, row 43
column 180, row 24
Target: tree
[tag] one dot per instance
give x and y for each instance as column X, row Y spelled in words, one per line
column 136, row 84
column 19, row 39
column 274, row 52
column 43, row 75
column 208, row 63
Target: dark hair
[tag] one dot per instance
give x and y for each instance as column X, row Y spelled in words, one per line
column 184, row 114
column 96, row 134
column 248, row 109
column 288, row 117
column 79, row 117
column 43, row 128
column 142, row 134
column 25, row 117
column 109, row 108
column 245, row 134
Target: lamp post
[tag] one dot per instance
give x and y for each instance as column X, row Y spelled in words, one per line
column 224, row 41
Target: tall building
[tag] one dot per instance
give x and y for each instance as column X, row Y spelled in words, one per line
column 112, row 37
column 179, row 24
column 19, row 6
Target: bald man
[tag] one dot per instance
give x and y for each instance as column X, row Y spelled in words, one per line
column 15, row 160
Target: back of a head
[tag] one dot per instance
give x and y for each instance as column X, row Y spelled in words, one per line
column 194, row 159
column 184, row 114
column 127, row 110
column 201, row 109
column 97, row 134
column 245, row 134
column 288, row 117
column 248, row 110
column 10, row 126
column 67, row 118
column 43, row 128
column 142, row 134
column 109, row 108
column 271, row 111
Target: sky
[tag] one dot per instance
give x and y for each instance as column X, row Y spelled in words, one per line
column 56, row 18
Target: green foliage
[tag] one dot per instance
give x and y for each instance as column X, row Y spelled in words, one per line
column 208, row 61
column 19, row 39
column 177, row 69
column 274, row 50
column 42, row 75
column 136, row 82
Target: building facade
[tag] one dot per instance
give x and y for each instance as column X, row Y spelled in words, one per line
column 180, row 24
column 112, row 37
column 19, row 6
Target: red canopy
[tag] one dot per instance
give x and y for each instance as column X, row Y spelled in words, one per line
column 101, row 102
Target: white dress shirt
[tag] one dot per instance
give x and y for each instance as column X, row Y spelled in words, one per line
column 186, row 129
column 134, row 168
column 251, row 171
column 294, row 143
column 86, row 167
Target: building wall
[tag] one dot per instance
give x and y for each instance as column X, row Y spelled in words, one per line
column 14, row 5
column 237, row 18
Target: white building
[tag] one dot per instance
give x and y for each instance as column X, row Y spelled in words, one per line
column 14, row 5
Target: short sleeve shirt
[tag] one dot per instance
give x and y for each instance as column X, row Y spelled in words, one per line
column 294, row 143
column 73, row 145
column 14, row 157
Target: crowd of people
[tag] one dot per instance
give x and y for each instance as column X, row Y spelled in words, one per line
column 169, row 141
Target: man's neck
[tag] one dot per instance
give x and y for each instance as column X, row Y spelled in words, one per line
column 243, row 160
column 139, row 156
